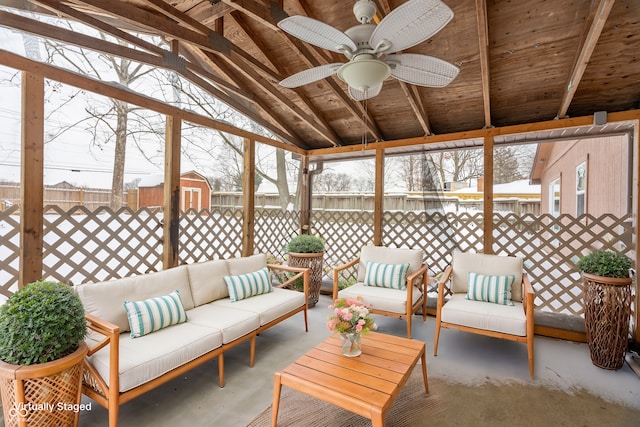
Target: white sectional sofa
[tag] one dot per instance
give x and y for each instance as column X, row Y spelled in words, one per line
column 120, row 367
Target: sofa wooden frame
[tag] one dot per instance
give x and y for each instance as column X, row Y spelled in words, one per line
column 109, row 396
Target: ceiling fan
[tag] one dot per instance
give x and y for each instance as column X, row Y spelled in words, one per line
column 371, row 49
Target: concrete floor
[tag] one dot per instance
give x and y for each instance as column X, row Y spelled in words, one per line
column 196, row 400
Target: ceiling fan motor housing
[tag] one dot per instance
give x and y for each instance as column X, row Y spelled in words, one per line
column 364, row 10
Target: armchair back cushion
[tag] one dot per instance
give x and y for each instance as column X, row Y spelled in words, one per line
column 387, row 255
column 485, row 264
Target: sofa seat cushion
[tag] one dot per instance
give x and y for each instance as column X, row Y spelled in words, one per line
column 269, row 306
column 232, row 323
column 146, row 358
column 385, row 299
column 485, row 315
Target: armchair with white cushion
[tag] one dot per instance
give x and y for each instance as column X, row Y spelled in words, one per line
column 392, row 280
column 490, row 295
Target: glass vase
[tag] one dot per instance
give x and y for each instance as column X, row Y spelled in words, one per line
column 351, row 343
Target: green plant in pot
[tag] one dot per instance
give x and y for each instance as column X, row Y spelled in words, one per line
column 607, row 306
column 605, row 264
column 42, row 330
column 307, row 251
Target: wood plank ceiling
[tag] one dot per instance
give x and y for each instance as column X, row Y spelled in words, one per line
column 520, row 62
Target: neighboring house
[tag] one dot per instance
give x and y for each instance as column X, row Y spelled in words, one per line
column 195, row 191
column 584, row 176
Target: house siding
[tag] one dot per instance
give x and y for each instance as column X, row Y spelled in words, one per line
column 607, row 175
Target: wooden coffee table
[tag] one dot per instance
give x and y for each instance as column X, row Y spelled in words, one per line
column 366, row 385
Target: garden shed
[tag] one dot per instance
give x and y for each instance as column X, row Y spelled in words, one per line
column 195, row 191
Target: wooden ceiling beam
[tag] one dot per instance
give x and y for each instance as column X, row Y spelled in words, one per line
column 167, row 60
column 483, row 49
column 315, row 122
column 208, row 13
column 273, row 123
column 267, row 16
column 595, row 23
column 155, row 22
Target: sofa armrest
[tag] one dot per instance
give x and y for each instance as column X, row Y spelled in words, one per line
column 336, row 275
column 302, row 272
column 111, row 335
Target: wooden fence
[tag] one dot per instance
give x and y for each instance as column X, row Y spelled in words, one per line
column 67, row 198
column 412, row 201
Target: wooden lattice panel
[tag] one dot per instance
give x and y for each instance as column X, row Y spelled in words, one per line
column 552, row 245
column 273, row 230
column 344, row 234
column 81, row 245
column 10, row 247
column 205, row 235
column 437, row 234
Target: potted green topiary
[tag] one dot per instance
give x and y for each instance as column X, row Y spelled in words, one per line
column 607, row 306
column 42, row 351
column 307, row 251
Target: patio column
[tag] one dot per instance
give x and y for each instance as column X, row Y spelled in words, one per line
column 378, row 203
column 488, row 195
column 248, row 193
column 32, row 178
column 305, row 196
column 171, row 211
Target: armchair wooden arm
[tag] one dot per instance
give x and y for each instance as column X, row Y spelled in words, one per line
column 336, row 275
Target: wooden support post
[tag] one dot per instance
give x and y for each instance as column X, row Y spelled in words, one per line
column 249, row 194
column 378, row 204
column 488, row 195
column 305, row 196
column 171, row 212
column 32, row 179
column 636, row 212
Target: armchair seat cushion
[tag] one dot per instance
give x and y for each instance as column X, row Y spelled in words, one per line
column 485, row 315
column 385, row 299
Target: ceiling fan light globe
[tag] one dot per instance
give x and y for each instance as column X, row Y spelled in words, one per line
column 364, row 74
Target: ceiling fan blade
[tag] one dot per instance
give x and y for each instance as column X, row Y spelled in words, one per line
column 317, row 33
column 411, row 23
column 422, row 70
column 311, row 75
column 361, row 95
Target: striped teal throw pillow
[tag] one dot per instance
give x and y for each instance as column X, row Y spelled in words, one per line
column 248, row 285
column 154, row 313
column 496, row 289
column 392, row 276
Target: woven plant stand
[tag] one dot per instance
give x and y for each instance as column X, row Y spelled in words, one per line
column 607, row 309
column 46, row 394
column 314, row 263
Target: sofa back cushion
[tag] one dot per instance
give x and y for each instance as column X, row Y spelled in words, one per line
column 388, row 255
column 105, row 299
column 206, row 281
column 247, row 264
column 486, row 264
